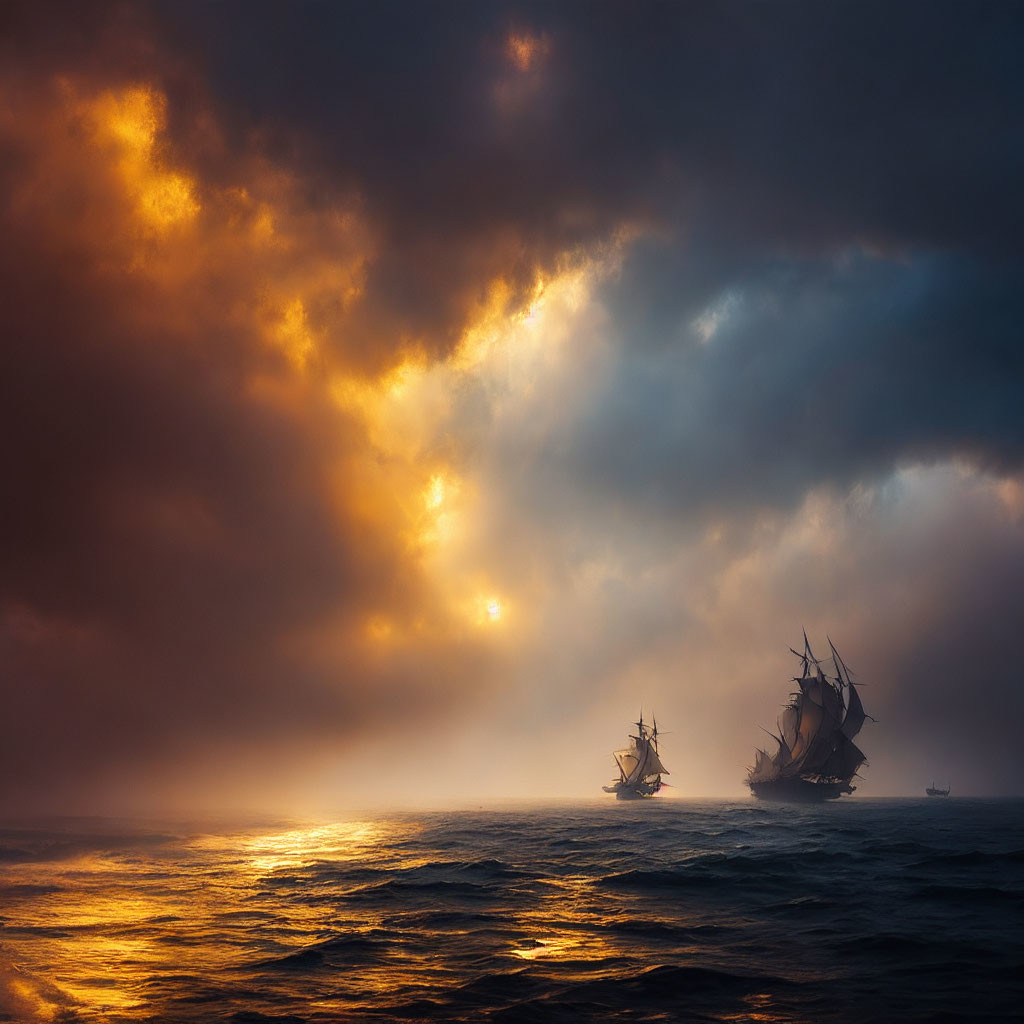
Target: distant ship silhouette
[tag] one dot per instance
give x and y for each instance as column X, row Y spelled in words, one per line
column 640, row 767
column 816, row 757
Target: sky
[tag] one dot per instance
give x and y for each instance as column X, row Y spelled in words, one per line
column 396, row 399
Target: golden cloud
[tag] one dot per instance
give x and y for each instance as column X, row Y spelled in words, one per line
column 276, row 486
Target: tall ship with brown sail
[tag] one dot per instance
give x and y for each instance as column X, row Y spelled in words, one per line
column 815, row 757
column 639, row 764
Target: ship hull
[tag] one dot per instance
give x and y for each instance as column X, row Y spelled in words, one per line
column 639, row 792
column 800, row 791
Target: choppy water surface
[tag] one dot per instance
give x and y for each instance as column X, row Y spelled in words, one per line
column 661, row 911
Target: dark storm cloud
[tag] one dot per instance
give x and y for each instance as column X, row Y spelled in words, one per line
column 758, row 128
column 778, row 123
column 814, row 372
column 761, row 141
column 161, row 533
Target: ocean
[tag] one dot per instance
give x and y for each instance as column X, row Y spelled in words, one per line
column 666, row 910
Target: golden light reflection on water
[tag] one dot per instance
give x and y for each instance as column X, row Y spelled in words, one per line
column 761, row 1009
column 565, row 946
column 319, row 919
column 116, row 924
column 105, row 927
column 343, row 841
column 567, row 925
column 97, row 956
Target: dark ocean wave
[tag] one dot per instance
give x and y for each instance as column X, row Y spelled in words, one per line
column 423, row 890
column 713, row 867
column 973, row 858
column 666, row 911
column 342, row 952
column 446, row 919
column 972, row 895
column 663, row 930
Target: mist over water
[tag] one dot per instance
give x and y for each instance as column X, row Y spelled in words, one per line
column 902, row 910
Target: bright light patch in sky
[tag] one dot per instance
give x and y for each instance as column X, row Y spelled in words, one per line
column 524, row 50
column 717, row 315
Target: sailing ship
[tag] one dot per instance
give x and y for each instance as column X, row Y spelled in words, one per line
column 640, row 767
column 816, row 758
column 933, row 791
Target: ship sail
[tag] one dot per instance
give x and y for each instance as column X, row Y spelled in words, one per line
column 652, row 764
column 815, row 756
column 854, row 721
column 789, row 725
column 628, row 762
column 763, row 768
